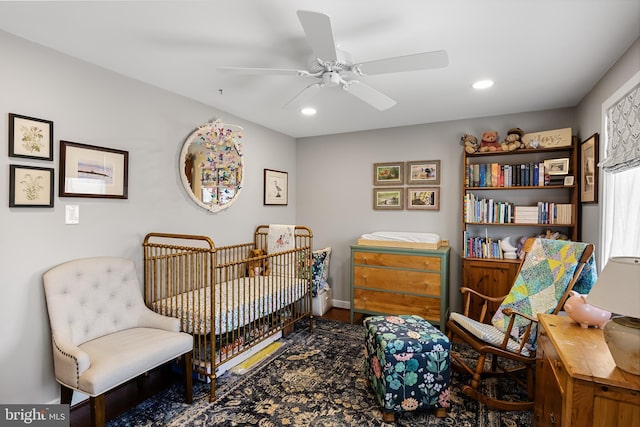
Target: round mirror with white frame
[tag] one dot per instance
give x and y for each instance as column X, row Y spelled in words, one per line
column 211, row 165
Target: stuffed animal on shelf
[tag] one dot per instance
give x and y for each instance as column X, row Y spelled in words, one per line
column 258, row 267
column 470, row 143
column 490, row 141
column 513, row 141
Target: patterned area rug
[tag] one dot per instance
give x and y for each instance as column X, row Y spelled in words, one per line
column 314, row 379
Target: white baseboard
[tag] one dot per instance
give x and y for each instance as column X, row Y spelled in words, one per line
column 342, row 304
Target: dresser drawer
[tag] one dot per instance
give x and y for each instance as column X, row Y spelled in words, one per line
column 394, row 303
column 553, row 360
column 390, row 280
column 395, row 260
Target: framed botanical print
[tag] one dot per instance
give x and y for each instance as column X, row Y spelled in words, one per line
column 30, row 187
column 30, row 137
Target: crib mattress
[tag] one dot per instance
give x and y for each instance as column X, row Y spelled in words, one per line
column 237, row 302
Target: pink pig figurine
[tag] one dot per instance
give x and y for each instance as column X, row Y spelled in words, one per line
column 585, row 314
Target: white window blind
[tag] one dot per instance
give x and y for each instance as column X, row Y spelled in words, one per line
column 623, row 133
column 620, row 204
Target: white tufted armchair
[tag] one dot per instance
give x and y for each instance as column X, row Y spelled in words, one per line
column 103, row 335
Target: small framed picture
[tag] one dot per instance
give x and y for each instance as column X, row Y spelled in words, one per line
column 423, row 198
column 391, row 173
column 276, row 187
column 423, row 172
column 557, row 166
column 90, row 171
column 388, row 198
column 30, row 138
column 589, row 170
column 30, row 187
column 568, row 180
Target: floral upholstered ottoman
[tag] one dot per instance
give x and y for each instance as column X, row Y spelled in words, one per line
column 407, row 364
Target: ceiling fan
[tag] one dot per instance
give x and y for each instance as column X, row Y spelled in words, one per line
column 334, row 67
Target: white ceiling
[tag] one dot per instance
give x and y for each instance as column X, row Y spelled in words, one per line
column 542, row 54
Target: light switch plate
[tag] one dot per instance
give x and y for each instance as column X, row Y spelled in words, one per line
column 72, row 214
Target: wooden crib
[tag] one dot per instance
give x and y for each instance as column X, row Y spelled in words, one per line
column 228, row 298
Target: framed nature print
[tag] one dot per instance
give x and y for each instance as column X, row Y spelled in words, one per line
column 388, row 198
column 589, row 170
column 90, row 171
column 276, row 187
column 30, row 138
column 423, row 198
column 556, row 166
column 30, row 187
column 423, row 172
column 388, row 173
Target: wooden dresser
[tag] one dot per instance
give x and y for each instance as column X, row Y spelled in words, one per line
column 387, row 280
column 577, row 382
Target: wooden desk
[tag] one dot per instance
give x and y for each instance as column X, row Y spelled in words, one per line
column 577, row 381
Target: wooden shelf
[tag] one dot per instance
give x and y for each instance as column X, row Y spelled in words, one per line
column 494, row 276
column 523, row 224
column 524, row 187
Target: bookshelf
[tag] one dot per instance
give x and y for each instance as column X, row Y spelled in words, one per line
column 511, row 193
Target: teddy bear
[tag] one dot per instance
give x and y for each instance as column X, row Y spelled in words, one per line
column 470, row 143
column 513, row 141
column 258, row 267
column 490, row 141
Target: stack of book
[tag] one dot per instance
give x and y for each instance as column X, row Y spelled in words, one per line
column 486, row 210
column 554, row 213
column 526, row 215
column 482, row 247
column 516, row 175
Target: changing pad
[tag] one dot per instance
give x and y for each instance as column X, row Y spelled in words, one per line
column 405, row 239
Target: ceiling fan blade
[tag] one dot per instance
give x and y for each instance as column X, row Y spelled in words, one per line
column 274, row 71
column 369, row 95
column 317, row 27
column 304, row 95
column 399, row 64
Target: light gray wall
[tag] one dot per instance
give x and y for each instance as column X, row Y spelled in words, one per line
column 330, row 182
column 90, row 105
column 589, row 121
column 335, row 184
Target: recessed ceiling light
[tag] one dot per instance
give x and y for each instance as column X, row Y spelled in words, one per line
column 308, row 111
column 482, row 84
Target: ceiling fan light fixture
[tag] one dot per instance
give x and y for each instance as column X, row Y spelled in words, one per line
column 308, row 111
column 482, row 84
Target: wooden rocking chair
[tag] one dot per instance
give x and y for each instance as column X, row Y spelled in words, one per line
column 542, row 285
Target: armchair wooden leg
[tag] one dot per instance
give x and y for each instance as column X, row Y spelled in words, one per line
column 96, row 404
column 66, row 394
column 188, row 377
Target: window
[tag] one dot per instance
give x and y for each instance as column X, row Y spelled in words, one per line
column 620, row 204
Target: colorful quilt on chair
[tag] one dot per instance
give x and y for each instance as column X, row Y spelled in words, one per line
column 543, row 278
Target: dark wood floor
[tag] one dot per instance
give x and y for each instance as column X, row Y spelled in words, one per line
column 132, row 393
